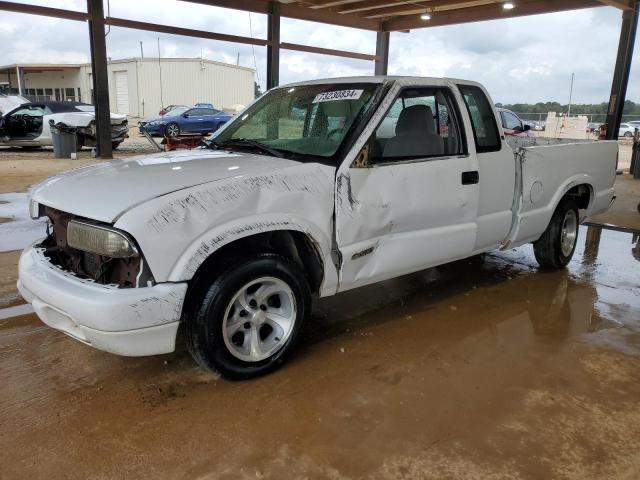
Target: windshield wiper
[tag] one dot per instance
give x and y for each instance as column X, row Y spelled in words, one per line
column 245, row 142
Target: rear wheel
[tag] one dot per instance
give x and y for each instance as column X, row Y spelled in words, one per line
column 554, row 249
column 246, row 320
column 628, row 134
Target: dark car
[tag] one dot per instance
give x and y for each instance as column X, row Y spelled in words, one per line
column 184, row 120
column 512, row 124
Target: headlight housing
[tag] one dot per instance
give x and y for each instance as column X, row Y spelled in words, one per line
column 100, row 240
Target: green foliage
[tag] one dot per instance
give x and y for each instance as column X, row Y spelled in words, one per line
column 630, row 108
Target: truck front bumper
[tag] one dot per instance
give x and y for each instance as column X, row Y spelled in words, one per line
column 125, row 321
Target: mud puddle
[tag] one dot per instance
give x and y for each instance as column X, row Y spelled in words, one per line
column 485, row 368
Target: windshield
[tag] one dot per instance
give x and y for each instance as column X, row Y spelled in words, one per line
column 308, row 120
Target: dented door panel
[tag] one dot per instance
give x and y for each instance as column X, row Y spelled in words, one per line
column 401, row 217
column 397, row 219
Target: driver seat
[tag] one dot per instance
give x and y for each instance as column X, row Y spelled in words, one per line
column 416, row 134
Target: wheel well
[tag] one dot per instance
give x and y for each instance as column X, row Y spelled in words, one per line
column 581, row 194
column 296, row 246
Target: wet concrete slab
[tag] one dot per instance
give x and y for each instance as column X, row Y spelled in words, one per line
column 483, row 369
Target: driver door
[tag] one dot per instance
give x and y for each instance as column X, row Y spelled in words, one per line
column 409, row 200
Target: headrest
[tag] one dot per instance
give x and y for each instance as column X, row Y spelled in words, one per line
column 416, row 119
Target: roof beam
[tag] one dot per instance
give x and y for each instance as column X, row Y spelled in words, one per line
column 433, row 6
column 488, row 12
column 187, row 32
column 375, row 6
column 297, row 12
column 44, row 11
column 361, row 6
column 621, row 4
column 328, row 51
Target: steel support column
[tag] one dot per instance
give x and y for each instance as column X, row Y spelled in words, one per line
column 100, row 78
column 273, row 47
column 22, row 87
column 382, row 52
column 621, row 73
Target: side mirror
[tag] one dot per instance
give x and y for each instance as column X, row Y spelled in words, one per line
column 527, row 128
column 185, row 115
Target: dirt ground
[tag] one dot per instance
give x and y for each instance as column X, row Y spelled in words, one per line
column 482, row 369
column 624, row 211
column 8, row 277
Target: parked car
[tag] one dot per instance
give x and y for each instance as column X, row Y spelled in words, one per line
column 231, row 241
column 27, row 125
column 184, row 120
column 168, row 108
column 634, row 123
column 538, row 125
column 513, row 125
column 594, row 128
column 204, row 105
column 626, row 130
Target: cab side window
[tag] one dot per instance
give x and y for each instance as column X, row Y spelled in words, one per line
column 483, row 120
column 420, row 124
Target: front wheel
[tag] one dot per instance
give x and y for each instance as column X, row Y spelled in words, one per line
column 628, row 134
column 245, row 321
column 554, row 249
column 172, row 130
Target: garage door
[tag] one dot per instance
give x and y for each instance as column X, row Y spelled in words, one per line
column 122, row 92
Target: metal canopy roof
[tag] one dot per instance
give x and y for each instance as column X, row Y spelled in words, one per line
column 381, row 16
column 401, row 15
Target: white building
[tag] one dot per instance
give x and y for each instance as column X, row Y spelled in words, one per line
column 137, row 86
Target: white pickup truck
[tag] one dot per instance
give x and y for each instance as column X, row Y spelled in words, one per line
column 316, row 188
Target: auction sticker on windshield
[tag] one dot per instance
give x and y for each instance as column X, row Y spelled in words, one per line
column 338, row 95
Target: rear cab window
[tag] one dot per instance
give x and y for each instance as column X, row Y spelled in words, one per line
column 483, row 121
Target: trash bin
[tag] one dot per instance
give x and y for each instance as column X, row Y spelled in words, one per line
column 64, row 139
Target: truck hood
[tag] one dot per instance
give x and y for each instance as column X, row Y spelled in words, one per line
column 105, row 191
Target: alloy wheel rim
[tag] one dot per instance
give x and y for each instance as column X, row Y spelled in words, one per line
column 569, row 233
column 172, row 130
column 259, row 319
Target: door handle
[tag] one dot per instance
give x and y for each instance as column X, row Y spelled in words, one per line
column 470, row 178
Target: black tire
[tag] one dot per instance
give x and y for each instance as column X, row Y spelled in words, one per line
column 204, row 320
column 115, row 145
column 172, row 129
column 548, row 248
column 628, row 134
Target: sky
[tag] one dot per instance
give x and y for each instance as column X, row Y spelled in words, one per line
column 521, row 60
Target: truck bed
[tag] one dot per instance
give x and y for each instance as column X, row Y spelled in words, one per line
column 547, row 168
